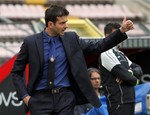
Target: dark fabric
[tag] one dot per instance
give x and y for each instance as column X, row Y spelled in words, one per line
column 124, row 109
column 53, row 50
column 32, row 53
column 42, row 81
column 51, row 73
column 43, row 102
column 137, row 70
column 51, row 64
column 124, row 74
column 82, row 109
column 119, row 96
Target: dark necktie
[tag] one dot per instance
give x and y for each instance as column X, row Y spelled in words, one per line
column 51, row 66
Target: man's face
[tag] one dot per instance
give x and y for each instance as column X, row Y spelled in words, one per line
column 95, row 80
column 59, row 27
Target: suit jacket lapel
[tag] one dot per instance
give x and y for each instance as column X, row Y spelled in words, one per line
column 65, row 42
column 39, row 44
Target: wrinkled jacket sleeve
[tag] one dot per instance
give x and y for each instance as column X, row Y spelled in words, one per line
column 101, row 45
column 136, row 69
column 112, row 64
column 17, row 72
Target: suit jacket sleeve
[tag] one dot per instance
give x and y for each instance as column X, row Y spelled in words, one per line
column 101, row 45
column 17, row 72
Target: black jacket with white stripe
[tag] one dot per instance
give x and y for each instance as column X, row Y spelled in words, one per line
column 114, row 64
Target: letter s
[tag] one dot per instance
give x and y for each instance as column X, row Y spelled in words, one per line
column 15, row 100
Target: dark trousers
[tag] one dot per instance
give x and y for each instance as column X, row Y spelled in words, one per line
column 45, row 103
column 123, row 109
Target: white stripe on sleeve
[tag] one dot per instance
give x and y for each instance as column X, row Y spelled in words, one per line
column 109, row 59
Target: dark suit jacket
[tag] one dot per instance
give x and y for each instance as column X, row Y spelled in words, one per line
column 31, row 53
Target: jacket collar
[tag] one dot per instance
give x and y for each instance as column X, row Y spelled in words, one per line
column 39, row 44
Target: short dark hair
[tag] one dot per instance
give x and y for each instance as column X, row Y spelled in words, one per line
column 91, row 70
column 110, row 26
column 53, row 12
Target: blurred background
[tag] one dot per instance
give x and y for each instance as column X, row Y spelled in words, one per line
column 20, row 18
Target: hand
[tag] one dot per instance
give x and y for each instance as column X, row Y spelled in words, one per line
column 126, row 25
column 26, row 100
column 119, row 81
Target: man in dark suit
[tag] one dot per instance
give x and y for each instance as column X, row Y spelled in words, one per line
column 58, row 76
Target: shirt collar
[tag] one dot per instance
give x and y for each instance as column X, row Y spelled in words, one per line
column 49, row 38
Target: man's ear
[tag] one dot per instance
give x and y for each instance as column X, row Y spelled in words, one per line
column 50, row 24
